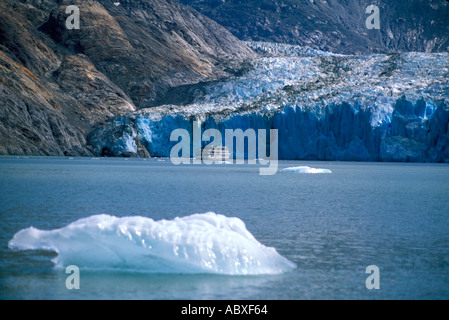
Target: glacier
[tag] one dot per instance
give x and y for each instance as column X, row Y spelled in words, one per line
column 199, row 243
column 326, row 106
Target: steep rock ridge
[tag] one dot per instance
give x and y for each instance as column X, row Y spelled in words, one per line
column 48, row 106
column 335, row 25
column 57, row 85
column 326, row 107
column 148, row 46
column 99, row 95
column 31, row 119
column 23, row 43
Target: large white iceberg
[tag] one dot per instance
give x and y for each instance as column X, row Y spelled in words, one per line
column 200, row 243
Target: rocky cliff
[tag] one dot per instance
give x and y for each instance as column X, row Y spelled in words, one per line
column 57, row 85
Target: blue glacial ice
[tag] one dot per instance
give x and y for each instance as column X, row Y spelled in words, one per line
column 200, row 243
column 326, row 107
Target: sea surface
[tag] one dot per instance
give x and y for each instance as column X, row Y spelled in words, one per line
column 332, row 226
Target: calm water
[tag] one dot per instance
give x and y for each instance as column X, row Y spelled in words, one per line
column 333, row 226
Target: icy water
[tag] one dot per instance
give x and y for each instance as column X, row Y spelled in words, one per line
column 332, row 226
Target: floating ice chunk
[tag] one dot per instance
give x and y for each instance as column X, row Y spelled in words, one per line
column 305, row 169
column 200, row 243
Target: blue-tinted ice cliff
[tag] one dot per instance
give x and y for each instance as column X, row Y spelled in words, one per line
column 325, row 106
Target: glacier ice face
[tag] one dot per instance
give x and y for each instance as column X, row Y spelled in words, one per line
column 326, row 107
column 200, row 243
column 305, row 169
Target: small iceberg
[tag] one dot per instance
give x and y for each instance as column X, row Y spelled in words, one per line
column 200, row 243
column 305, row 169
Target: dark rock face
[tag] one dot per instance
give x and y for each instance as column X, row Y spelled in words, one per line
column 335, row 25
column 99, row 95
column 147, row 46
column 31, row 120
column 58, row 85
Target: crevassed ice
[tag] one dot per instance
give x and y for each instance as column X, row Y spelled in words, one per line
column 326, row 107
column 305, row 169
column 303, row 77
column 200, row 243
